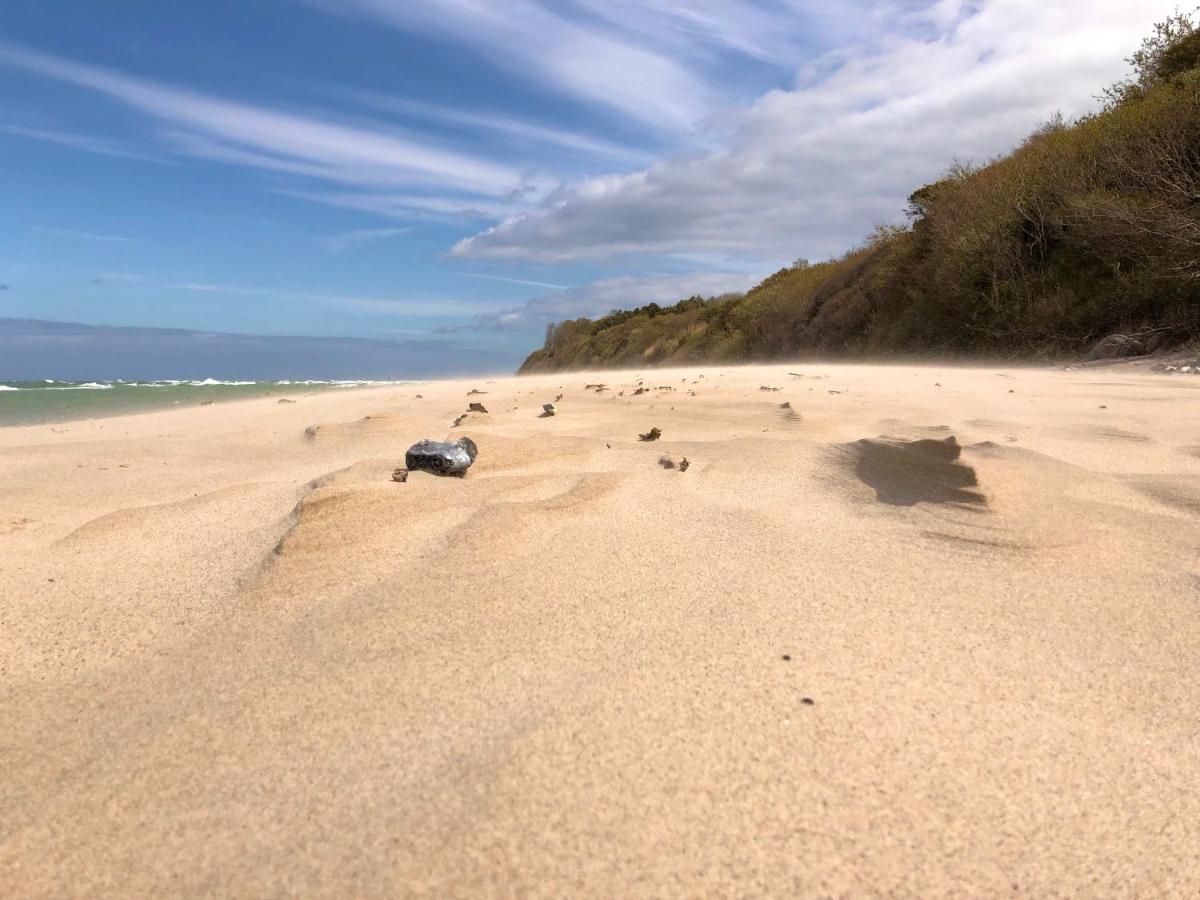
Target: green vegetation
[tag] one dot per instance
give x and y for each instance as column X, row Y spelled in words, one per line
column 1088, row 228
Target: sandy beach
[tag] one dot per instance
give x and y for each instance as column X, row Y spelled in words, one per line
column 924, row 632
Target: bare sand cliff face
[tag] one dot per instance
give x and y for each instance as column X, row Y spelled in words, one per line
column 924, row 632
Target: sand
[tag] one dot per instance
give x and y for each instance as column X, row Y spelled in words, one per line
column 237, row 659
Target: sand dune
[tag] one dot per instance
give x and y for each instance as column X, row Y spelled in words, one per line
column 922, row 632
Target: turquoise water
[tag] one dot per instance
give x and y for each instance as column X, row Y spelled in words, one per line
column 31, row 402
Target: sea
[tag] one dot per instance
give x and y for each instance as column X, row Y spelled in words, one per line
column 34, row 402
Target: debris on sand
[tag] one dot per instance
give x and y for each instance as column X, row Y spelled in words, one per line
column 477, row 408
column 666, row 462
column 684, row 465
column 419, row 397
column 286, row 400
column 474, row 391
column 652, row 435
column 766, row 387
column 207, row 403
column 548, row 410
column 595, row 387
column 459, row 420
column 558, row 399
column 311, row 432
column 442, row 458
column 639, row 391
column 786, row 404
column 400, row 475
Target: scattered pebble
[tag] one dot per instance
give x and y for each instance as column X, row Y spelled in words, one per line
column 808, row 701
column 400, row 475
column 652, row 435
column 684, row 465
column 548, row 410
column 477, row 407
column 666, row 462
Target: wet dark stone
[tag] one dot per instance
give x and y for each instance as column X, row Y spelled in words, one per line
column 904, row 473
column 442, row 459
column 808, row 701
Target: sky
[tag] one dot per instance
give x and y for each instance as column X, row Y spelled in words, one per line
column 470, row 170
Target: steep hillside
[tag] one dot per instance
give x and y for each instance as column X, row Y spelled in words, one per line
column 1087, row 229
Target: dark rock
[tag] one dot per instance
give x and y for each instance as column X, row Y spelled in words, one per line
column 442, row 458
column 477, row 407
column 459, row 420
column 1117, row 346
column 547, row 411
column 652, row 435
column 684, row 465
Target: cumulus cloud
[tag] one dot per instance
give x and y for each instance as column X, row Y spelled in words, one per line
column 809, row 170
column 602, row 297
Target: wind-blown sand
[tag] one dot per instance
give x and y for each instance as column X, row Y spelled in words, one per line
column 238, row 660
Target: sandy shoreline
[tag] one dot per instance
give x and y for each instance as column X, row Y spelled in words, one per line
column 238, row 659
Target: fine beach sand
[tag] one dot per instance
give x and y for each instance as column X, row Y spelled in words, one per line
column 236, row 659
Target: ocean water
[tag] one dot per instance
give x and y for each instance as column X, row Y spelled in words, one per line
column 32, row 402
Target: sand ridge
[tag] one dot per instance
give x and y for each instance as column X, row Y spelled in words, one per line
column 927, row 632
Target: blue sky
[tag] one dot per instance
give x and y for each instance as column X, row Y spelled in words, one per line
column 471, row 169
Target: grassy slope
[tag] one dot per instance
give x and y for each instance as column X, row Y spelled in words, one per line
column 1083, row 231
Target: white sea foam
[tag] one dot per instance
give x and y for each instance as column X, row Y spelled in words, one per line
column 6, row 387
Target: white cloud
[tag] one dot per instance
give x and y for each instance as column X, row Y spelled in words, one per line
column 79, row 142
column 807, row 171
column 602, row 297
column 545, row 284
column 83, row 235
column 518, row 130
column 409, row 206
column 556, row 49
column 118, row 277
column 349, row 240
column 444, row 307
column 239, row 133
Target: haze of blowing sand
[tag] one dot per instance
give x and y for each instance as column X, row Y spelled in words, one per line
column 900, row 631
